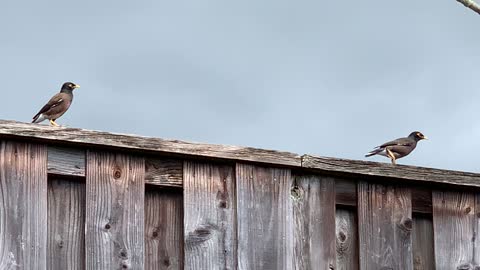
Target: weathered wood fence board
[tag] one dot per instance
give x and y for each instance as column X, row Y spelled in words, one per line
column 222, row 207
column 314, row 216
column 389, row 172
column 95, row 139
column 265, row 218
column 476, row 241
column 423, row 254
column 210, row 225
column 66, row 161
column 114, row 211
column 164, row 172
column 347, row 240
column 385, row 225
column 23, row 206
column 66, row 225
column 455, row 229
column 163, row 230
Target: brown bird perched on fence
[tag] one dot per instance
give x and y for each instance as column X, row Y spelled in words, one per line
column 398, row 148
column 57, row 105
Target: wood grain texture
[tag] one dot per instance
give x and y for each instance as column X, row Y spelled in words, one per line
column 346, row 194
column 66, row 225
column 398, row 172
column 163, row 230
column 144, row 144
column 264, row 217
column 314, row 216
column 167, row 172
column 385, row 225
column 423, row 255
column 164, row 172
column 209, row 221
column 455, row 226
column 114, row 211
column 347, row 240
column 66, row 161
column 159, row 171
column 476, row 241
column 23, row 206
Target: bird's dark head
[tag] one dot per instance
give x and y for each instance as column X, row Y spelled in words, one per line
column 417, row 136
column 68, row 87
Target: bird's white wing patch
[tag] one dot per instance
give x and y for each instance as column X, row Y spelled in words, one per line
column 57, row 103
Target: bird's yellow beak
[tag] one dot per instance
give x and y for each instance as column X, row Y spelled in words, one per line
column 425, row 137
column 76, row 86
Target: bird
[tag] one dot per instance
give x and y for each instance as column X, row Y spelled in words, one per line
column 398, row 148
column 57, row 105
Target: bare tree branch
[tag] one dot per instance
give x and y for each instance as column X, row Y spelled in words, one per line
column 471, row 5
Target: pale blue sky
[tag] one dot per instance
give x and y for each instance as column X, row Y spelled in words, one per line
column 330, row 78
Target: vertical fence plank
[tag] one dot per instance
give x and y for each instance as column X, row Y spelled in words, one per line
column 347, row 240
column 23, row 206
column 385, row 225
column 454, row 226
column 114, row 211
column 66, row 225
column 209, row 221
column 163, row 230
column 265, row 218
column 423, row 256
column 476, row 244
column 314, row 216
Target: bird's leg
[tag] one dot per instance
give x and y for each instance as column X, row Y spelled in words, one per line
column 52, row 122
column 392, row 156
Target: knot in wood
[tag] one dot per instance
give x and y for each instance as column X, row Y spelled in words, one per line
column 107, row 226
column 223, row 204
column 406, row 223
column 166, row 262
column 123, row 254
column 330, row 267
column 468, row 210
column 117, row 173
column 342, row 236
column 155, row 234
column 296, row 192
column 201, row 234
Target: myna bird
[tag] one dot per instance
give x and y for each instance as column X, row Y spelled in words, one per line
column 57, row 105
column 398, row 148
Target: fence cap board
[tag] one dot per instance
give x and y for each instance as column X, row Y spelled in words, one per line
column 91, row 138
column 146, row 144
column 400, row 172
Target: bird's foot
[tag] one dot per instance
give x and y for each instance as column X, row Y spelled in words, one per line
column 53, row 123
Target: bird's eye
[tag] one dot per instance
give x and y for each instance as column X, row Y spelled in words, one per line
column 71, row 85
column 419, row 134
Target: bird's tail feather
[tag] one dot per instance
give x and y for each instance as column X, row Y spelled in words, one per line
column 374, row 152
column 38, row 118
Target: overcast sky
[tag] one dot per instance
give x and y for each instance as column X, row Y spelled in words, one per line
column 329, row 78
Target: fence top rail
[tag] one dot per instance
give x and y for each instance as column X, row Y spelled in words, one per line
column 90, row 138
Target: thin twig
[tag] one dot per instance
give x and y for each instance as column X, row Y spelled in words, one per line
column 471, row 5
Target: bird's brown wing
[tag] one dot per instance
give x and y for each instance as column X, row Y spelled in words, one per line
column 397, row 142
column 52, row 104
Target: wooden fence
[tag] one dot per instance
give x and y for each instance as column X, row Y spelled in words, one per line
column 79, row 199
